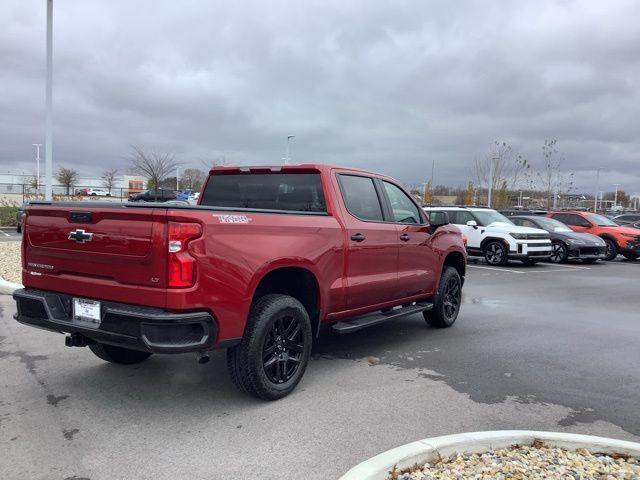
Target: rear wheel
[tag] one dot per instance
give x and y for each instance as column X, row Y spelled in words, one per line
column 447, row 300
column 275, row 349
column 630, row 256
column 559, row 253
column 122, row 356
column 612, row 249
column 495, row 253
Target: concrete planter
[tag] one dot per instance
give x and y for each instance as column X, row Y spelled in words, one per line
column 428, row 450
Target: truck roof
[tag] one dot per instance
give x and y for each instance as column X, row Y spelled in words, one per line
column 311, row 167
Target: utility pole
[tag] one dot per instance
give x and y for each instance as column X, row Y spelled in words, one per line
column 595, row 205
column 287, row 156
column 177, row 178
column 37, row 145
column 48, row 140
column 433, row 168
column 615, row 198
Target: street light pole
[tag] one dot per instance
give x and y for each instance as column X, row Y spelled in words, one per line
column 48, row 149
column 287, row 155
column 37, row 145
column 615, row 198
column 595, row 204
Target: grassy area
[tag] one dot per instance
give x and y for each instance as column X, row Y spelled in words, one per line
column 8, row 213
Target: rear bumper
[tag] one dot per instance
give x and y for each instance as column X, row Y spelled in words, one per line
column 139, row 328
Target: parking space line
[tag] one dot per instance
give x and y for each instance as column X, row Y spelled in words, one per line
column 555, row 270
column 508, row 270
column 5, row 233
column 574, row 267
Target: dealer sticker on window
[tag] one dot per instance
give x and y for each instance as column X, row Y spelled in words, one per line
column 87, row 312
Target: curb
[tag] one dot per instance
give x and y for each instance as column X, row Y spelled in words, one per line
column 429, row 449
column 7, row 288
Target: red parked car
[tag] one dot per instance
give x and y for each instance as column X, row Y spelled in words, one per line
column 267, row 257
column 619, row 239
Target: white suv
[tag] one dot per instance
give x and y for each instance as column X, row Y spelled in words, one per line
column 493, row 236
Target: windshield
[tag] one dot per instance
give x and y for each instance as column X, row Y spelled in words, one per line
column 552, row 225
column 601, row 221
column 487, row 217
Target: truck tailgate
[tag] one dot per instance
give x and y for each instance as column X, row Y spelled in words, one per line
column 109, row 247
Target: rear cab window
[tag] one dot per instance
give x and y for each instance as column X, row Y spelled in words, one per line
column 290, row 191
column 360, row 197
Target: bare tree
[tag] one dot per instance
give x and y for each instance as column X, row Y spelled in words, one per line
column 153, row 164
column 192, row 178
column 508, row 166
column 550, row 179
column 109, row 178
column 67, row 177
column 220, row 161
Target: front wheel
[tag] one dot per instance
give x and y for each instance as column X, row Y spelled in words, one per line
column 612, row 249
column 559, row 253
column 495, row 253
column 447, row 300
column 119, row 355
column 274, row 352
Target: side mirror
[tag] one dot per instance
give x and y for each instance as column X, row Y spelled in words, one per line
column 472, row 223
column 438, row 219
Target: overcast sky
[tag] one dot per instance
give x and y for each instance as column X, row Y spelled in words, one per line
column 383, row 85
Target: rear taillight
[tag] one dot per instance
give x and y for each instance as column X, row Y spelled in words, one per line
column 465, row 240
column 182, row 266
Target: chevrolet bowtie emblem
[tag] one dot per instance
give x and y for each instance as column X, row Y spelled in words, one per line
column 80, row 236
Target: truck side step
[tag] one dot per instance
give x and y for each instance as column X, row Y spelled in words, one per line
column 369, row 319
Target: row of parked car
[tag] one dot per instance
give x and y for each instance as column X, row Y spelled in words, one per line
column 553, row 236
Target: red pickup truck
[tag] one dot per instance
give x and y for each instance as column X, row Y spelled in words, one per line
column 268, row 257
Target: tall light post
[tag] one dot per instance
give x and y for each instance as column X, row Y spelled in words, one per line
column 615, row 197
column 595, row 203
column 48, row 139
column 37, row 145
column 287, row 155
column 177, row 178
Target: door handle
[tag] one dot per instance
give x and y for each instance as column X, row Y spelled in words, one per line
column 404, row 237
column 358, row 237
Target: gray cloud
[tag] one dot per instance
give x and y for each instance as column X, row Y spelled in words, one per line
column 387, row 86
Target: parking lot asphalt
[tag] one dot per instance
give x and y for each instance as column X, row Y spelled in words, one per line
column 9, row 235
column 545, row 347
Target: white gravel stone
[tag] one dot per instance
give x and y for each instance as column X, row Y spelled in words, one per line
column 535, row 462
column 10, row 262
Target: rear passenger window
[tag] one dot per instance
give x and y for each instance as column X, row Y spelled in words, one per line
column 296, row 192
column 361, row 198
column 404, row 210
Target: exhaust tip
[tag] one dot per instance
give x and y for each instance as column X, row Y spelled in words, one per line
column 203, row 358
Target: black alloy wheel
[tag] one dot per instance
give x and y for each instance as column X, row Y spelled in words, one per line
column 452, row 297
column 559, row 253
column 612, row 249
column 283, row 349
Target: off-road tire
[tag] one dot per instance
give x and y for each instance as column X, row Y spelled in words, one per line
column 495, row 253
column 612, row 249
column 440, row 316
column 119, row 355
column 245, row 361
